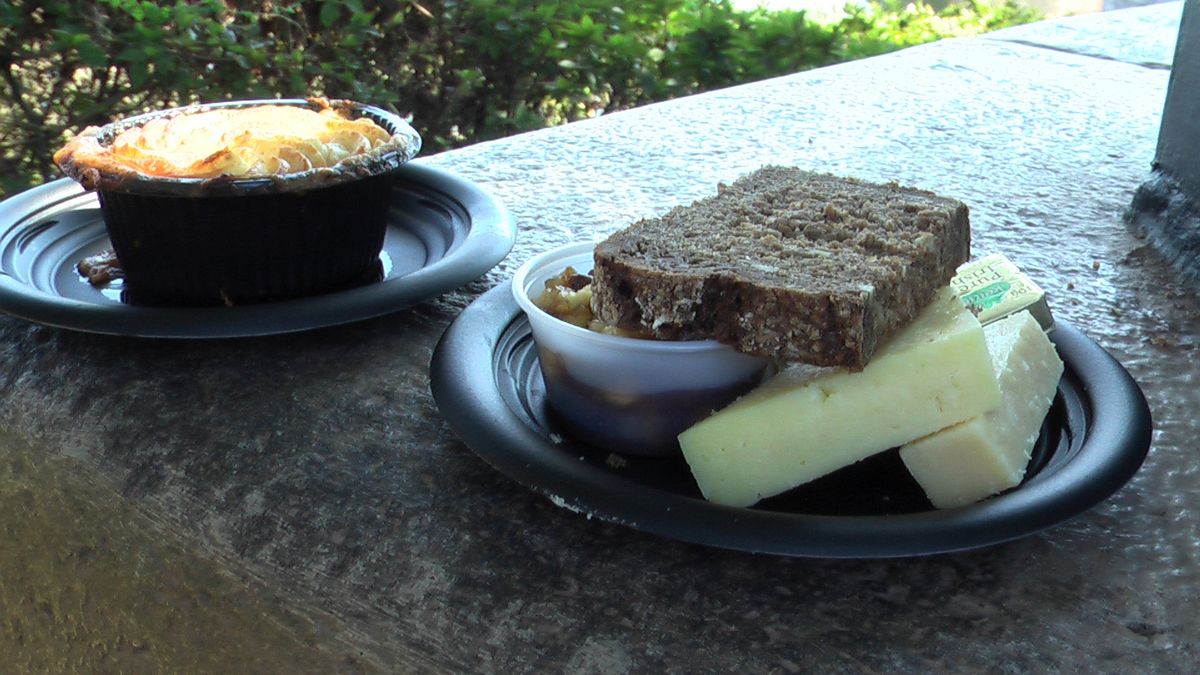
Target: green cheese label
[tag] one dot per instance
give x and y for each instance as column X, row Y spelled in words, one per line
column 989, row 296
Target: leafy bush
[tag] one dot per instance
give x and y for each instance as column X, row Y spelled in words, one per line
column 464, row 70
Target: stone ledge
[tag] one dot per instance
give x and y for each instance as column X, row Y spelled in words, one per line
column 1141, row 35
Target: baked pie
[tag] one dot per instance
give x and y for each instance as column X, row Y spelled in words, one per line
column 240, row 202
column 254, row 142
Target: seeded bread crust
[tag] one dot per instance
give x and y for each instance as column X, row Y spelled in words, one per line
column 800, row 266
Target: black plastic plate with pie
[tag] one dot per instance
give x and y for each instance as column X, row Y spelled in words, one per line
column 486, row 382
column 444, row 231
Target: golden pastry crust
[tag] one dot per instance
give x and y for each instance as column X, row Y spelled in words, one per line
column 279, row 142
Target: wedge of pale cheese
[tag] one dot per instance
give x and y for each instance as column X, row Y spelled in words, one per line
column 807, row 422
column 987, row 454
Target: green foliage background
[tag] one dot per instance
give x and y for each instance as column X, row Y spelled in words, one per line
column 465, row 71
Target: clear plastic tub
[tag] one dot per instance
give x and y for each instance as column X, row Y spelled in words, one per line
column 628, row 395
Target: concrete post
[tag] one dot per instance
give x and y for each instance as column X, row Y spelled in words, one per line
column 1180, row 130
column 1166, row 209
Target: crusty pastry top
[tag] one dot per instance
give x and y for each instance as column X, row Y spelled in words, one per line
column 267, row 140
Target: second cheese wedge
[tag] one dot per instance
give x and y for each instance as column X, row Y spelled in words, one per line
column 807, row 422
column 989, row 453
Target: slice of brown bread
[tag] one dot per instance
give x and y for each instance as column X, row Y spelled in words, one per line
column 787, row 263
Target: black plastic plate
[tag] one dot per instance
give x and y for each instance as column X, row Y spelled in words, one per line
column 487, row 383
column 444, row 232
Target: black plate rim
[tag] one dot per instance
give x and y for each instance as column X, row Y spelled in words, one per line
column 1117, row 441
column 488, row 241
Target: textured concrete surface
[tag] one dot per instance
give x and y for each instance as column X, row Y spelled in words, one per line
column 318, row 463
column 1138, row 35
column 91, row 585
